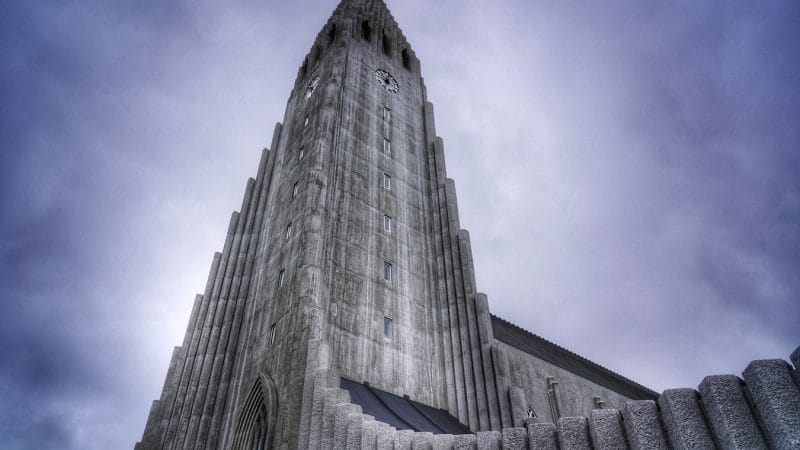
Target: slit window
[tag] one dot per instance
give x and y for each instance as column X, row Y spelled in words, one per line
column 301, row 153
column 387, row 46
column 280, row 277
column 305, row 122
column 387, row 223
column 387, row 114
column 294, row 189
column 272, row 333
column 366, row 31
column 387, row 327
column 332, row 34
column 288, row 231
column 387, row 181
column 387, row 146
column 387, row 271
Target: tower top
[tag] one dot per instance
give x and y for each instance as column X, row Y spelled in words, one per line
column 368, row 21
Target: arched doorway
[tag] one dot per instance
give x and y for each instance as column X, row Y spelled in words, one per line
column 256, row 425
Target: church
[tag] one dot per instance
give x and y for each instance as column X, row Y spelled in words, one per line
column 343, row 311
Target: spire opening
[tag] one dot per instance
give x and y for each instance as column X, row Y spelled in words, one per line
column 387, row 46
column 332, row 34
column 366, row 31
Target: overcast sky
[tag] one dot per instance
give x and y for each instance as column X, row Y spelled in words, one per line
column 628, row 172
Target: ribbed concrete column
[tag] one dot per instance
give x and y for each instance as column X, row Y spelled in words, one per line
column 234, row 346
column 369, row 434
column 729, row 415
column 442, row 441
column 489, row 440
column 385, row 440
column 500, row 366
column 355, row 429
column 463, row 378
column 341, row 396
column 153, row 438
column 447, row 289
column 683, row 419
column 194, row 356
column 228, row 333
column 235, row 358
column 422, row 441
column 643, row 426
column 486, row 339
column 461, row 305
column 542, row 436
column 515, row 438
column 403, row 439
column 221, row 324
column 777, row 401
column 573, row 433
column 343, row 413
column 605, row 428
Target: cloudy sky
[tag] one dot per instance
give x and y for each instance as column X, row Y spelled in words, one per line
column 628, row 172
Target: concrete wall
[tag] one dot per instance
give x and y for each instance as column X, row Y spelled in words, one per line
column 574, row 394
column 759, row 411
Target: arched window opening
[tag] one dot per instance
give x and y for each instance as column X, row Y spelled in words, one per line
column 332, row 34
column 406, row 59
column 366, row 31
column 387, row 46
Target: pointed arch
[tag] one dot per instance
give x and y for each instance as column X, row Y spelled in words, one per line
column 255, row 427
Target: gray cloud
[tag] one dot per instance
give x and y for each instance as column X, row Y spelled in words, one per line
column 627, row 172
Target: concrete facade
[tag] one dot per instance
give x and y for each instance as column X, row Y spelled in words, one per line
column 346, row 259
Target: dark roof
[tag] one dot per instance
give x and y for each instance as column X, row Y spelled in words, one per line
column 401, row 412
column 543, row 349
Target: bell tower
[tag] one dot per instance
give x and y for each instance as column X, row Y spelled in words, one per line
column 346, row 255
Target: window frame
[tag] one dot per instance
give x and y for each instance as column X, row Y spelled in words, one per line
column 387, row 223
column 387, row 271
column 388, row 327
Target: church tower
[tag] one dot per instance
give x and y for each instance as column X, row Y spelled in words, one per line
column 344, row 299
column 347, row 256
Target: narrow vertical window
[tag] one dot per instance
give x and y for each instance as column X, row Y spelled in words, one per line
column 288, row 231
column 294, row 189
column 387, row 46
column 387, row 271
column 406, row 59
column 280, row 277
column 552, row 399
column 305, row 122
column 387, row 181
column 387, row 121
column 366, row 31
column 272, row 333
column 387, row 146
column 332, row 34
column 387, row 327
column 301, row 153
column 387, row 223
